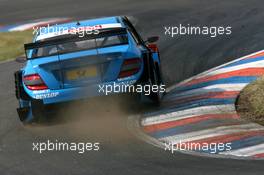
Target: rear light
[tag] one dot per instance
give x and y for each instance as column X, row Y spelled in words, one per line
column 130, row 67
column 153, row 47
column 34, row 82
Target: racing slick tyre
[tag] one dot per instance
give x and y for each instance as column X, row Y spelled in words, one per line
column 29, row 110
column 156, row 79
column 35, row 113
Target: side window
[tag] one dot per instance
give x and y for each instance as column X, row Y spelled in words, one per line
column 134, row 36
column 133, row 31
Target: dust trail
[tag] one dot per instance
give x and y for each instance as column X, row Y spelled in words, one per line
column 101, row 119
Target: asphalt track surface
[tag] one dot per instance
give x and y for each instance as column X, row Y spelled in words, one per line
column 120, row 151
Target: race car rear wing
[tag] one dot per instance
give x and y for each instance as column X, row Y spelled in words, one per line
column 54, row 41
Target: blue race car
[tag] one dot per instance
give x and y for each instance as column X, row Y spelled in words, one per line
column 70, row 64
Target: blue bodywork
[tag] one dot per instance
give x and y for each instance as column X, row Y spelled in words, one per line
column 106, row 60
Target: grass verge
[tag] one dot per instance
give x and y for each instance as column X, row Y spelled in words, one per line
column 250, row 104
column 12, row 44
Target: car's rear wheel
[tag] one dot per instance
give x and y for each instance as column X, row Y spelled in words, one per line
column 156, row 79
column 34, row 113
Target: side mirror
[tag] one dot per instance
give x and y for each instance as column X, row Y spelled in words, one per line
column 21, row 59
column 152, row 39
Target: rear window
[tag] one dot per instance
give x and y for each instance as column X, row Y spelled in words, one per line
column 79, row 44
column 111, row 41
column 64, row 48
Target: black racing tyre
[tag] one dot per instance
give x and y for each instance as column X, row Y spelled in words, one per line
column 19, row 90
column 156, row 79
column 37, row 110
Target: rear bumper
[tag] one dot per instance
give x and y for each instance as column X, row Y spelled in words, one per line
column 64, row 95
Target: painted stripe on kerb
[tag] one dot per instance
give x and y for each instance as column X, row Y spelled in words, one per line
column 223, row 130
column 194, row 119
column 248, row 151
column 187, row 114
